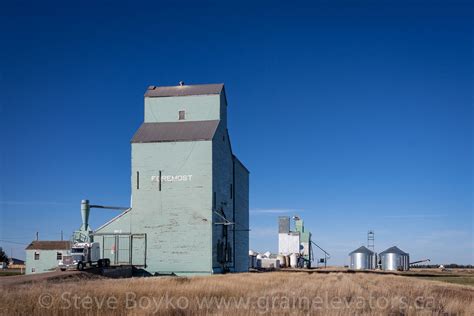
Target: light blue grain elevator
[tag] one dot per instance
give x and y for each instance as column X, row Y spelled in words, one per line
column 190, row 193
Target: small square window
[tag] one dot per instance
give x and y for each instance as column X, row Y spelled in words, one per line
column 37, row 255
column 182, row 115
column 59, row 256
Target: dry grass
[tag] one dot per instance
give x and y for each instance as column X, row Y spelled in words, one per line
column 263, row 293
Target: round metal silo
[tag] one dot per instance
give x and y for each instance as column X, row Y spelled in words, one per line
column 394, row 259
column 362, row 259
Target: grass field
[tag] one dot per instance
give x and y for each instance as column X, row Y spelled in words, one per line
column 463, row 280
column 248, row 293
column 455, row 276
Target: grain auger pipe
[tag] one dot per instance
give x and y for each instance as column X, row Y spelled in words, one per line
column 326, row 254
column 420, row 261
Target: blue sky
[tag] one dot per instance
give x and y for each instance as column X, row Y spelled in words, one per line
column 355, row 115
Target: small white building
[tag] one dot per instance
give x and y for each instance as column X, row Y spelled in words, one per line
column 43, row 256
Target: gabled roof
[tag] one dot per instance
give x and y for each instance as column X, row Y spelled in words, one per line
column 49, row 245
column 363, row 249
column 184, row 90
column 393, row 249
column 175, row 131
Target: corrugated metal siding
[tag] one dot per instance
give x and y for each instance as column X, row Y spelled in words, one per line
column 175, row 91
column 175, row 131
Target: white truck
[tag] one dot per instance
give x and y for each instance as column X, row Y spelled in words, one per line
column 83, row 254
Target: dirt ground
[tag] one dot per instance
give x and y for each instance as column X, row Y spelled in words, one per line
column 55, row 276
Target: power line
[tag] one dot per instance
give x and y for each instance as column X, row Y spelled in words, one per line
column 13, row 242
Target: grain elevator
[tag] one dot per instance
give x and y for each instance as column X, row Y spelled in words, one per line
column 189, row 212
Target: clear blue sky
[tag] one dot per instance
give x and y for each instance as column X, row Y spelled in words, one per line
column 355, row 115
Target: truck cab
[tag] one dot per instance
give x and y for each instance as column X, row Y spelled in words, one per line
column 83, row 254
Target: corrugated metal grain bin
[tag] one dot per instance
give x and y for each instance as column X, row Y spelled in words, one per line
column 362, row 259
column 394, row 259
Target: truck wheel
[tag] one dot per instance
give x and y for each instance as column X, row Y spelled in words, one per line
column 80, row 266
column 63, row 269
column 99, row 263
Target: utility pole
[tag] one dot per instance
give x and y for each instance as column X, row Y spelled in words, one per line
column 37, row 236
column 61, row 235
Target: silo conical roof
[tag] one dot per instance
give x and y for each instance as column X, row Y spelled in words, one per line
column 393, row 249
column 362, row 249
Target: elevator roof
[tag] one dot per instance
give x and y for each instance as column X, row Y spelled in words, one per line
column 184, row 90
column 175, row 131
